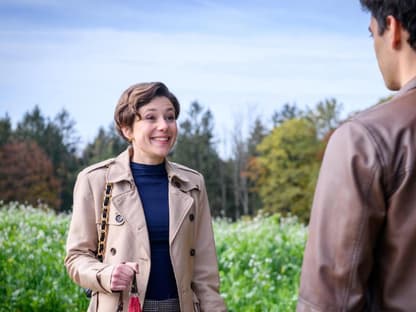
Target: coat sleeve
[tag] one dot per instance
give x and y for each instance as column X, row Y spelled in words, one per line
column 206, row 276
column 80, row 261
column 347, row 214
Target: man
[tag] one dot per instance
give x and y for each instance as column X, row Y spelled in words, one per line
column 361, row 249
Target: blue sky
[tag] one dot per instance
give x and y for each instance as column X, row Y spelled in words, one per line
column 241, row 59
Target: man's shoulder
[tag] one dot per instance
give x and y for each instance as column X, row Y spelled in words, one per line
column 381, row 129
column 397, row 110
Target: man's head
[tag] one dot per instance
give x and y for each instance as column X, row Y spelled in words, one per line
column 404, row 11
column 393, row 26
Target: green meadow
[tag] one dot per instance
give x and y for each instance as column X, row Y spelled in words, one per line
column 259, row 260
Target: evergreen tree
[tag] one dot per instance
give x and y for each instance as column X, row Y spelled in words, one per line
column 325, row 116
column 195, row 148
column 107, row 144
column 288, row 111
column 5, row 130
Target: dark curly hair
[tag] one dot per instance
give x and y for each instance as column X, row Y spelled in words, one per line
column 136, row 96
column 402, row 10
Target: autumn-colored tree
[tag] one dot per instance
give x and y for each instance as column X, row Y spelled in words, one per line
column 27, row 175
column 58, row 139
column 257, row 132
column 287, row 168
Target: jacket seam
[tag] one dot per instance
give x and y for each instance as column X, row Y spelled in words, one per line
column 357, row 245
column 374, row 139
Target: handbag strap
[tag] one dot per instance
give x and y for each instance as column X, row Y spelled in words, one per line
column 104, row 221
column 103, row 237
column 103, row 228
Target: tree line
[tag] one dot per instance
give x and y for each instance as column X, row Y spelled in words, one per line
column 271, row 170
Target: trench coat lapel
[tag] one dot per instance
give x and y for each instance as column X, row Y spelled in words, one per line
column 126, row 200
column 180, row 201
column 179, row 205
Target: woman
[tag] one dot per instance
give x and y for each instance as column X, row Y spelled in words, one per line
column 157, row 228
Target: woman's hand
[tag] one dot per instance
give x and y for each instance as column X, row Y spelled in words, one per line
column 122, row 275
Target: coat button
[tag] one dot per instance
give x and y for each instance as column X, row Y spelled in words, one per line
column 192, row 252
column 191, row 217
column 113, row 251
column 119, row 218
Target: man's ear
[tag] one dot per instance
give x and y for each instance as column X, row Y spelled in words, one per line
column 395, row 31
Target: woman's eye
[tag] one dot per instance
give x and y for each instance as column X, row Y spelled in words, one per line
column 170, row 118
column 150, row 117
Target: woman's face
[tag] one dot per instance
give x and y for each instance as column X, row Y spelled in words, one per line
column 154, row 134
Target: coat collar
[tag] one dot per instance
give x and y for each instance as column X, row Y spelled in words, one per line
column 178, row 177
column 180, row 201
column 120, row 171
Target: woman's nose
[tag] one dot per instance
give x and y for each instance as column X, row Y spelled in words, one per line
column 162, row 124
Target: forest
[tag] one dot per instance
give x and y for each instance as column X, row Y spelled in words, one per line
column 271, row 170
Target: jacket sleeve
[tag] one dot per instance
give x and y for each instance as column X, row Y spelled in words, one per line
column 347, row 213
column 206, row 275
column 80, row 261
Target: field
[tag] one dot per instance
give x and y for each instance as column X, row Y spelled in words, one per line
column 259, row 262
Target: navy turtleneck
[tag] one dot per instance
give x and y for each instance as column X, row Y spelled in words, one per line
column 152, row 183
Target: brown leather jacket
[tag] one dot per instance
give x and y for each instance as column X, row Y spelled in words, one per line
column 361, row 249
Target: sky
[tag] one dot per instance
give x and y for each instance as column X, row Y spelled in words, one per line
column 240, row 59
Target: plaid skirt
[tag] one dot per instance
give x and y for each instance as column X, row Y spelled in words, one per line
column 168, row 305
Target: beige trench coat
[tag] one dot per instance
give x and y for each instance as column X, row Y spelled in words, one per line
column 191, row 239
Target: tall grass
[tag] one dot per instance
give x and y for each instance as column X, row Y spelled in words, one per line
column 259, row 262
column 32, row 274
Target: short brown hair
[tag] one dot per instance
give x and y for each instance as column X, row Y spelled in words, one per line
column 136, row 96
